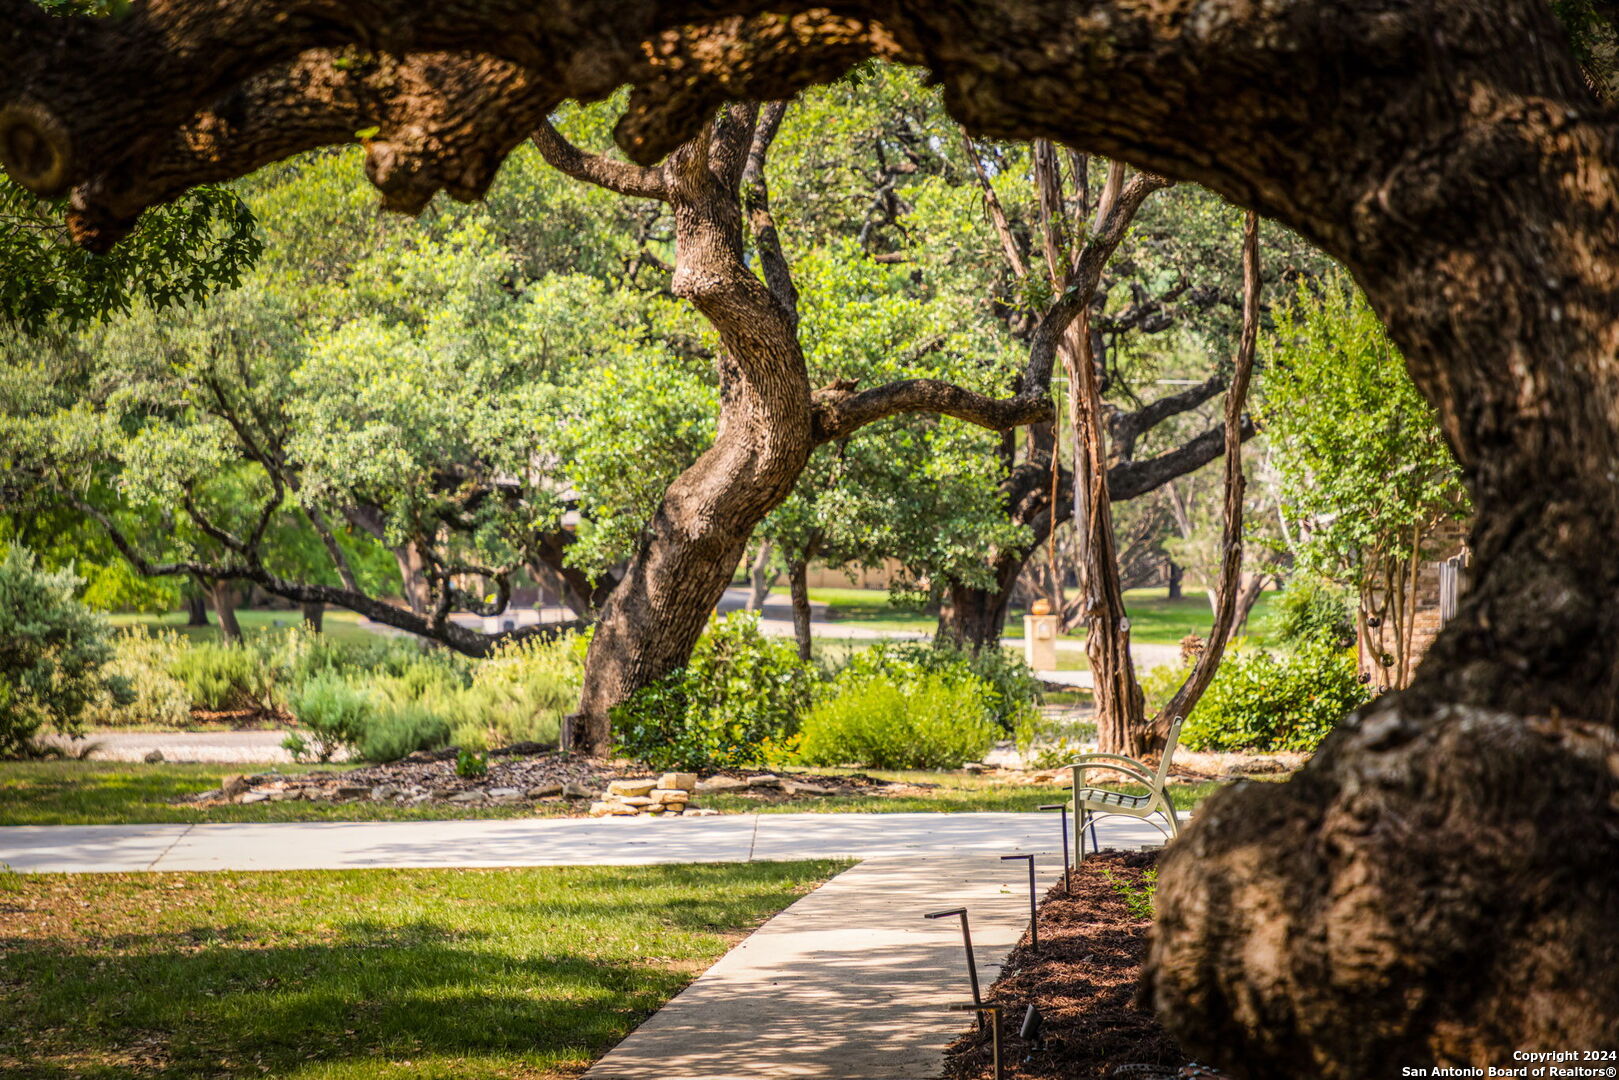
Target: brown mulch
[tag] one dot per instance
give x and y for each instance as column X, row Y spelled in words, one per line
column 1083, row 980
column 430, row 776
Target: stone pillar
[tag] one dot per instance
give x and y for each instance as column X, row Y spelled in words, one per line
column 1040, row 637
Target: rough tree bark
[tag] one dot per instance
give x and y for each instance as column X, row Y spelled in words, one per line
column 314, row 615
column 769, row 419
column 1438, row 884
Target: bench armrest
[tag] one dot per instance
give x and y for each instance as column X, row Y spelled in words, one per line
column 1115, row 762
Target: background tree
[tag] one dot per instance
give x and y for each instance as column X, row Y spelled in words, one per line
column 1365, row 475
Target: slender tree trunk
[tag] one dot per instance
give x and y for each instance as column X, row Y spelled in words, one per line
column 1175, row 575
column 798, row 582
column 412, row 577
column 760, row 577
column 314, row 615
column 1227, row 588
column 195, row 594
column 222, row 593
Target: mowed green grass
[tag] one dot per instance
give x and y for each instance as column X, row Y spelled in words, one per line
column 115, row 792
column 341, row 625
column 359, row 975
column 1153, row 616
column 119, row 793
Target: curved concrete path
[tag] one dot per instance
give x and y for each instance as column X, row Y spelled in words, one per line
column 534, row 841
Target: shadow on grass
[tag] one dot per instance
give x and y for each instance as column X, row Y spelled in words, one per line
column 287, row 1008
column 486, row 983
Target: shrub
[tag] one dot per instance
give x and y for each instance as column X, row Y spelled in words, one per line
column 522, row 692
column 53, row 653
column 337, row 715
column 471, row 766
column 1012, row 693
column 402, row 729
column 936, row 721
column 736, row 703
column 1312, row 611
column 1265, row 702
column 226, row 678
column 143, row 660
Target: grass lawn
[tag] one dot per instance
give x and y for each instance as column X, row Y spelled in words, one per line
column 1153, row 616
column 361, row 974
column 111, row 793
column 341, row 625
column 120, row 792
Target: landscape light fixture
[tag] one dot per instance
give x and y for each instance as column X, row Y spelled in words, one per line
column 1033, row 1022
column 1062, row 810
column 1034, row 922
column 994, row 1030
column 967, row 941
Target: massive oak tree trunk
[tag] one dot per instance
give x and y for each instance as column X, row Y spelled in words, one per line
column 1438, row 884
column 695, row 539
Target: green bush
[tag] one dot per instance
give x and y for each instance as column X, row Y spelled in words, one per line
column 1011, row 689
column 226, row 678
column 1312, row 611
column 935, row 721
column 402, row 729
column 735, row 704
column 337, row 715
column 143, row 660
column 54, row 653
column 1268, row 702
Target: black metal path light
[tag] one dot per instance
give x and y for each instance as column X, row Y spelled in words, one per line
column 1062, row 810
column 1034, row 922
column 967, row 942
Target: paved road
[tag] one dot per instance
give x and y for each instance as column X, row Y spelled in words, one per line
column 534, row 841
column 215, row 746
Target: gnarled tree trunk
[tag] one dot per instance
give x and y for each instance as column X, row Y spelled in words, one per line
column 1437, row 885
column 222, row 594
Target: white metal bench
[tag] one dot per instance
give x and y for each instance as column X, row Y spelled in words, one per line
column 1155, row 807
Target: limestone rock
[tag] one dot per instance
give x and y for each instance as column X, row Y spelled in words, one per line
column 153, row 757
column 384, row 792
column 546, row 791
column 599, row 809
column 255, row 796
column 795, row 787
column 701, row 812
column 504, row 793
column 233, row 785
column 631, row 788
column 573, row 789
column 765, row 780
column 351, row 791
column 466, row 796
column 721, row 783
column 669, row 795
column 637, row 801
column 686, row 781
column 620, row 808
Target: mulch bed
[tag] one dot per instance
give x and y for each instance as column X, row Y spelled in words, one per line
column 1083, row 980
column 519, row 774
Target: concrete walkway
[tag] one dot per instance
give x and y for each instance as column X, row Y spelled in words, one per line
column 848, row 982
column 534, row 841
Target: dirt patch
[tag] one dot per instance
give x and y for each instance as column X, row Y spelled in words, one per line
column 1083, row 981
